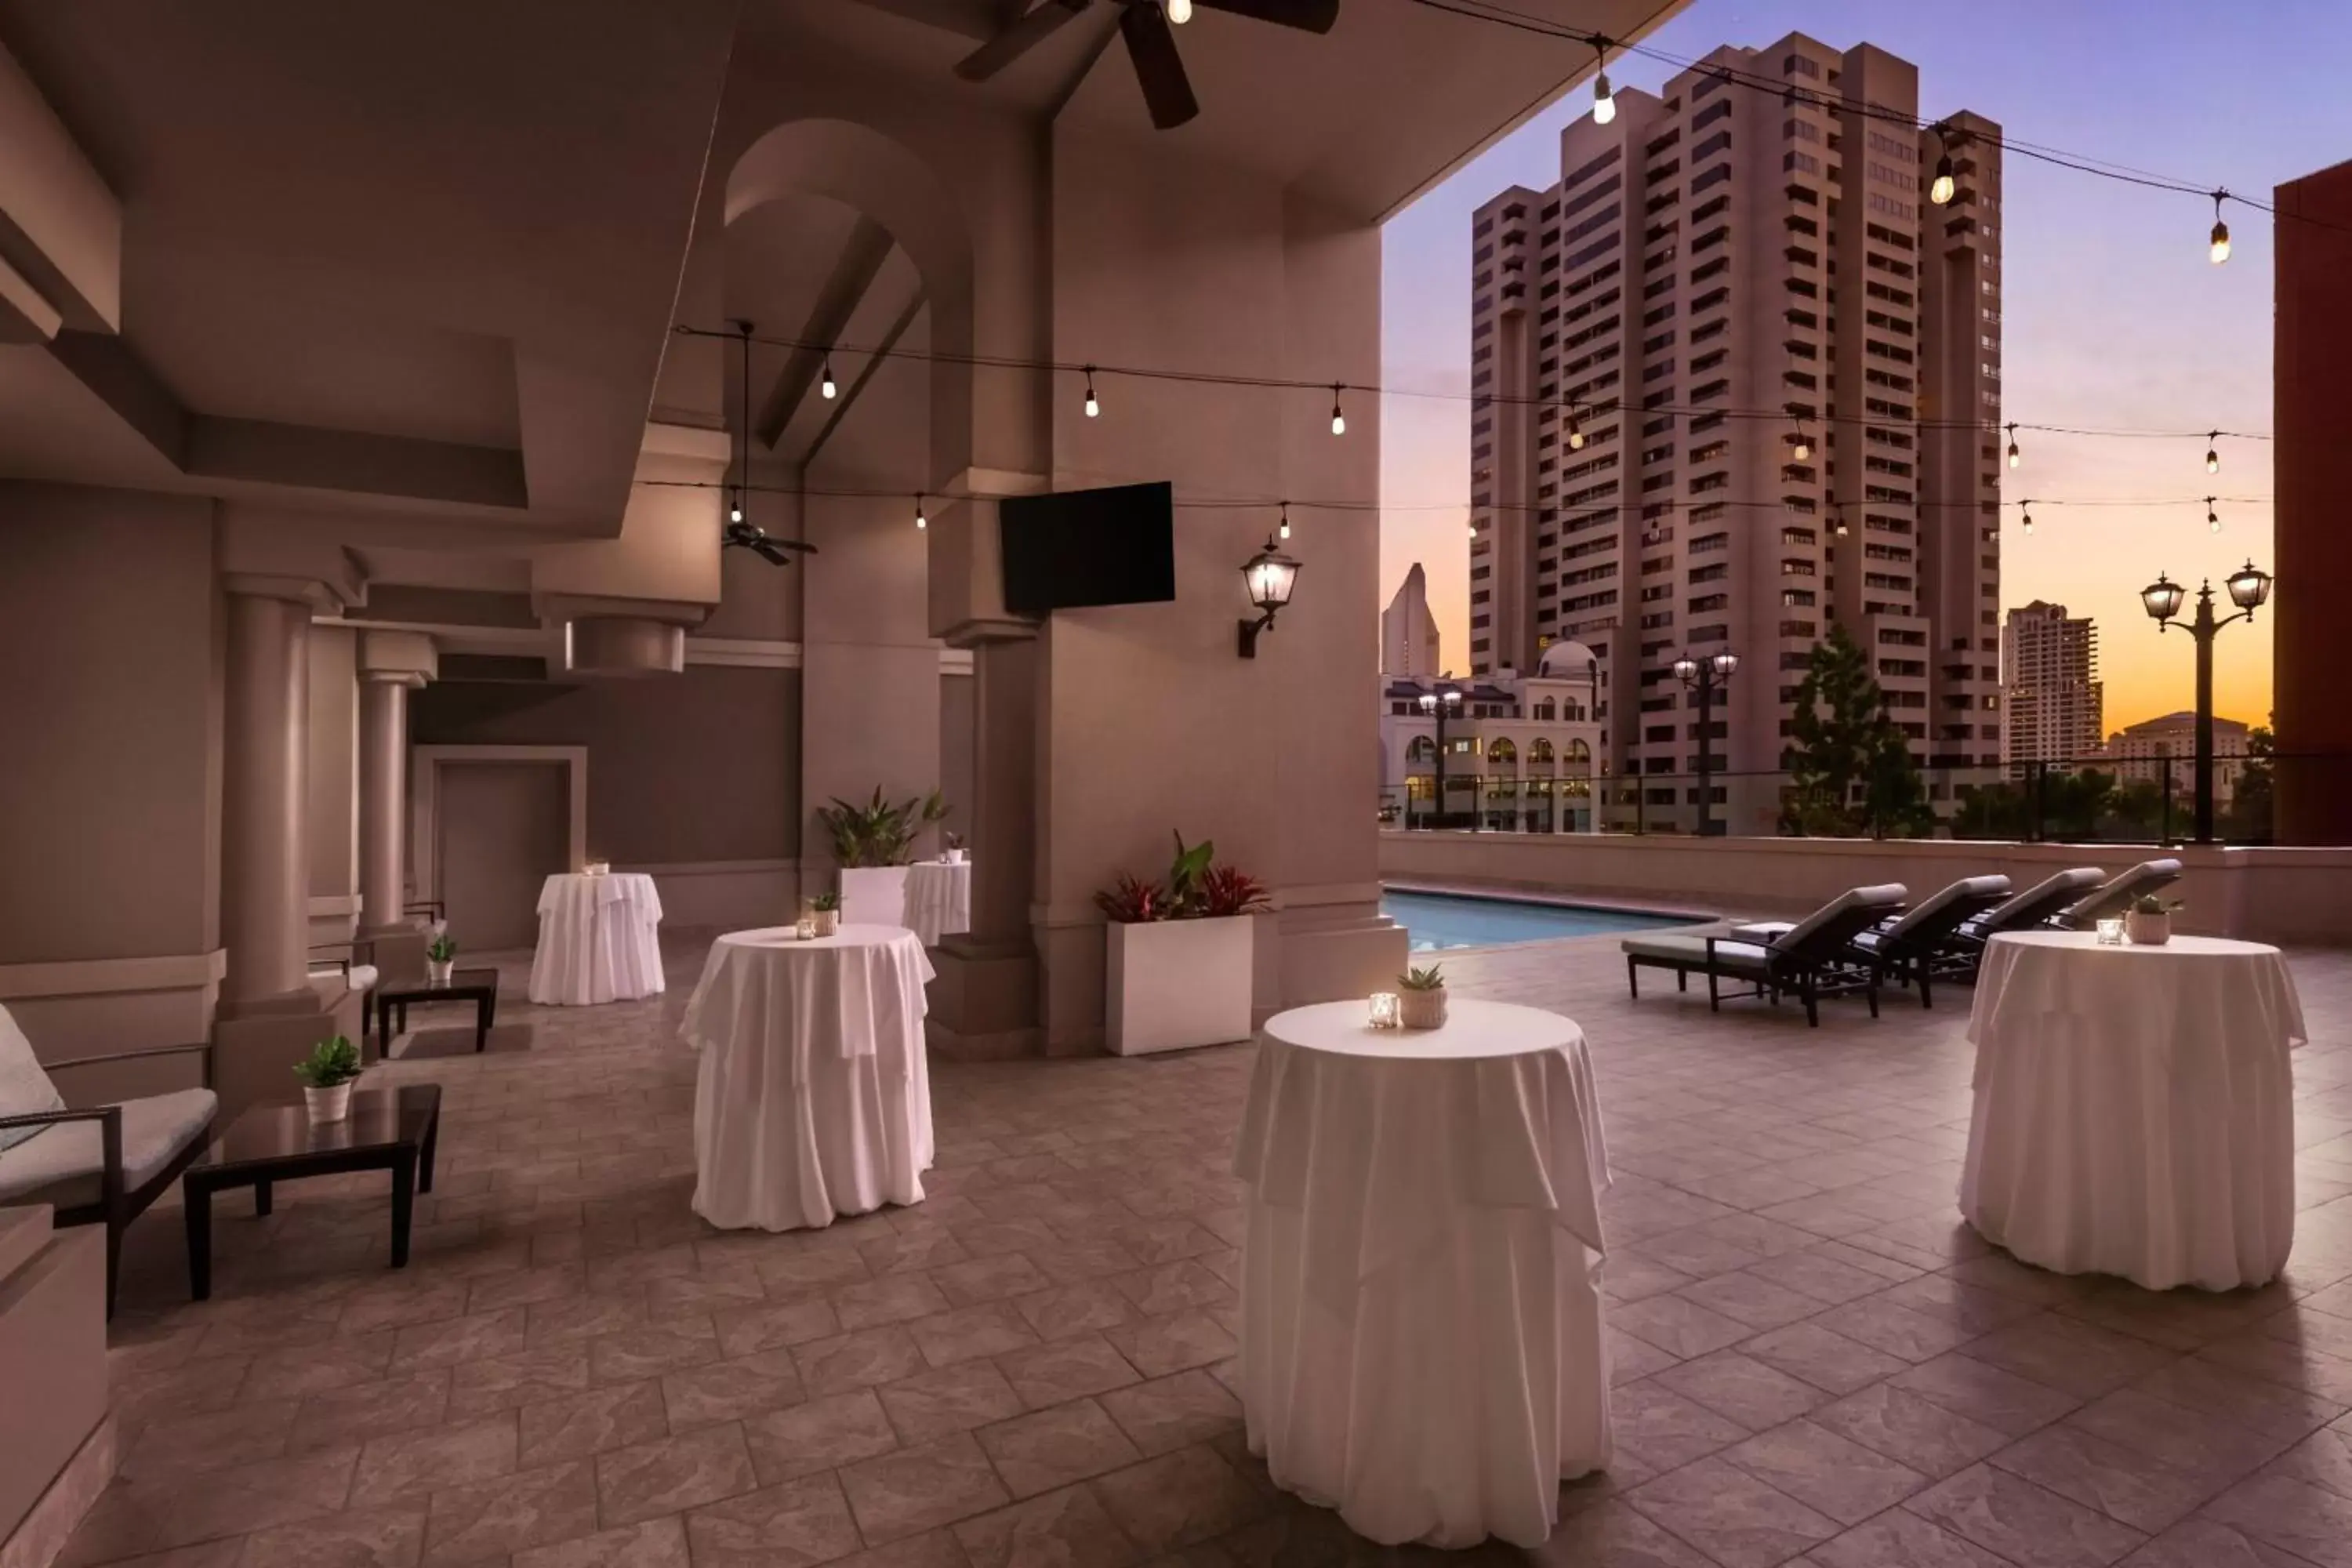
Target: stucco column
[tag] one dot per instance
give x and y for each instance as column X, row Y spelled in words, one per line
column 265, row 849
column 985, row 1001
column 384, row 797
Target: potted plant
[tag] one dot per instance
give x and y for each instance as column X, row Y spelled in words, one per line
column 873, row 842
column 1179, row 958
column 953, row 854
column 2149, row 924
column 825, row 913
column 327, row 1073
column 1420, row 998
column 440, row 959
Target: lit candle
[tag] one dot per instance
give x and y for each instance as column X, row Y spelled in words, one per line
column 806, row 929
column 1385, row 1012
column 2111, row 933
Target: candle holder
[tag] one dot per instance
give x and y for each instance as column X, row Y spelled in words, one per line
column 1386, row 1011
column 595, row 868
column 2111, row 933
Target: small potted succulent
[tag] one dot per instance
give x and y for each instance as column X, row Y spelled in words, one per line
column 440, row 959
column 2150, row 924
column 825, row 913
column 1420, row 998
column 327, row 1073
column 954, row 852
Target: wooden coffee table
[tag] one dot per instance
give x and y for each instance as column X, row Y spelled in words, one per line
column 479, row 986
column 392, row 1129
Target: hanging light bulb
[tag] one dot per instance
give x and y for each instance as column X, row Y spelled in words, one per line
column 2219, row 242
column 735, row 508
column 1604, row 101
column 1284, row 530
column 1093, row 407
column 921, row 521
column 1179, row 11
column 2014, row 456
column 1474, row 528
column 2025, row 516
column 2213, row 453
column 1800, row 448
column 1941, row 191
column 827, row 386
column 2212, row 517
column 1575, row 432
column 1338, row 420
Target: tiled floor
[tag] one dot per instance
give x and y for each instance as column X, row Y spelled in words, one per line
column 1813, row 1358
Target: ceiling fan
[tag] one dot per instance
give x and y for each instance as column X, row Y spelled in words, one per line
column 741, row 533
column 751, row 536
column 1151, row 42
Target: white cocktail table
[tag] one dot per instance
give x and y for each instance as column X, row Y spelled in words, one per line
column 1420, row 1303
column 599, row 939
column 939, row 899
column 2135, row 1108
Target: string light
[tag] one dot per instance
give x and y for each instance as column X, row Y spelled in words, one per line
column 1575, row 431
column 2212, row 517
column 2026, row 517
column 2220, row 244
column 1093, row 406
column 2014, row 456
column 2213, row 453
column 1338, row 420
column 1604, row 102
column 1179, row 11
column 1800, row 448
column 1941, row 192
column 735, row 507
column 827, row 386
column 921, row 521
column 1284, row 530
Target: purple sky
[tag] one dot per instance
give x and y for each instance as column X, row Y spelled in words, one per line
column 2114, row 318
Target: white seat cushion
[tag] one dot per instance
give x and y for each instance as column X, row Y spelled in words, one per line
column 24, row 1086
column 64, row 1164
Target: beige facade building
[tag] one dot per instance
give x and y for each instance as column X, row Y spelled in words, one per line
column 1409, row 645
column 2051, row 691
column 1735, row 378
column 2150, row 748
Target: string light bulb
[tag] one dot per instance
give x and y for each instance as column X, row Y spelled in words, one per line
column 1575, row 432
column 921, row 521
column 1800, row 448
column 2015, row 458
column 1941, row 191
column 1179, row 11
column 827, row 386
column 2213, row 453
column 2219, row 245
column 1338, row 420
column 1284, row 530
column 1604, row 101
column 2026, row 517
column 2212, row 517
column 735, row 508
column 1094, row 406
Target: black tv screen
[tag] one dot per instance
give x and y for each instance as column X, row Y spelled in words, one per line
column 1110, row 546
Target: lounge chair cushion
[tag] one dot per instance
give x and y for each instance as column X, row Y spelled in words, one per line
column 2114, row 898
column 25, row 1088
column 1730, row 957
column 63, row 1164
column 2040, row 896
column 1972, row 889
column 1886, row 896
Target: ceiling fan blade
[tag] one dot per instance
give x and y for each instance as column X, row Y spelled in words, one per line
column 1308, row 16
column 1018, row 40
column 766, row 551
column 1158, row 68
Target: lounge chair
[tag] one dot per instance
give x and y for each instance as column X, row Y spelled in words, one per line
column 2113, row 898
column 1916, row 945
column 2037, row 906
column 1813, row 957
column 105, row 1164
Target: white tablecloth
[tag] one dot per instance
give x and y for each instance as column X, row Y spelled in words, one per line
column 599, row 939
column 813, row 1099
column 939, row 899
column 2135, row 1108
column 1420, row 1333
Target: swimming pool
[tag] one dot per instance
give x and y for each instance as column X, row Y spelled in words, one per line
column 1441, row 920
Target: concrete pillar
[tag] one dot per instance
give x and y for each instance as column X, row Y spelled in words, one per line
column 383, row 797
column 985, row 1001
column 264, row 853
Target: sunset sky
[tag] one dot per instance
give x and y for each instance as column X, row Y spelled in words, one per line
column 2114, row 318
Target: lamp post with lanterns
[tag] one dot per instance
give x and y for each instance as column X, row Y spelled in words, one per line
column 1441, row 704
column 2249, row 588
column 1704, row 676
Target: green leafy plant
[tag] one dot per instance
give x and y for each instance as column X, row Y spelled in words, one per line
column 2150, row 904
column 1185, row 872
column 881, row 832
column 330, row 1062
column 1430, row 979
column 442, row 949
column 826, row 901
column 1196, row 887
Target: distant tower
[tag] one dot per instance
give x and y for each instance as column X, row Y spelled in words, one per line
column 1408, row 634
column 2055, row 701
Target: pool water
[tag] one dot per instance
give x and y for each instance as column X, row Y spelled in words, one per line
column 1440, row 921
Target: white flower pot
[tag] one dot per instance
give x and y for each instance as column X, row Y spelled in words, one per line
column 1173, row 984
column 437, row 970
column 874, row 895
column 825, row 923
column 2149, row 930
column 954, row 856
column 1421, row 1009
column 327, row 1105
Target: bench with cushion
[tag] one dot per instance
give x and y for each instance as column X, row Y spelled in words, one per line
column 101, row 1165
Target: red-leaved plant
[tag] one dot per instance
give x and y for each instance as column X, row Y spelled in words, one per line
column 1131, row 901
column 1193, row 889
column 1229, row 890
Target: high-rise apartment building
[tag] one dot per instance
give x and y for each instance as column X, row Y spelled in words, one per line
column 1408, row 631
column 1734, row 378
column 2052, row 696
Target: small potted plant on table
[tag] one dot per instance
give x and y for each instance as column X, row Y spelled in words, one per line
column 1420, row 998
column 440, row 959
column 825, row 912
column 327, row 1073
column 954, row 851
column 2150, row 924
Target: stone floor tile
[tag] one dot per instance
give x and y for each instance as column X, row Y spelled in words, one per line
column 654, row 1543
column 731, row 1390
column 1179, row 1500
column 922, row 1488
column 411, row 1466
column 1053, row 1447
column 1169, row 1413
column 1065, row 1529
column 2012, row 1518
column 1927, row 1438
column 1730, row 1515
column 953, row 1399
column 576, row 1426
column 668, row 1474
column 835, row 1429
column 1746, row 1390
column 1063, row 1370
column 791, row 1525
column 1826, row 1471
column 466, row 1524
column 356, row 1537
column 858, row 1360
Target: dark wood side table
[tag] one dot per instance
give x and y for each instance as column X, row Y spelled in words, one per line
column 479, row 986
column 395, row 1130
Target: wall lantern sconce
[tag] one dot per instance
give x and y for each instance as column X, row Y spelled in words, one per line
column 1268, row 576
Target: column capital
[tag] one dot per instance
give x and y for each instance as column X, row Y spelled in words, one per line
column 322, row 597
column 404, row 658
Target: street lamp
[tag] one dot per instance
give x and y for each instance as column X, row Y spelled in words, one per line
column 1268, row 576
column 1704, row 676
column 2248, row 589
column 1442, row 705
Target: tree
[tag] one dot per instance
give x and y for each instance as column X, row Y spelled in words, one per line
column 2248, row 820
column 1851, row 765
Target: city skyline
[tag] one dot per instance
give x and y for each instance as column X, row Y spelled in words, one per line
column 2116, row 319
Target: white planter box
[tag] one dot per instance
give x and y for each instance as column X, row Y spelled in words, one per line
column 1173, row 984
column 874, row 895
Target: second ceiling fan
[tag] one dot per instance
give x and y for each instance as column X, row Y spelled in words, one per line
column 1151, row 42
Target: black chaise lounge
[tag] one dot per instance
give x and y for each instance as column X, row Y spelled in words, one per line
column 1810, row 959
column 2037, row 906
column 1924, row 943
column 2114, row 898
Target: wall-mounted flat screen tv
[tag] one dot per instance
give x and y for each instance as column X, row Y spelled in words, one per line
column 1110, row 546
